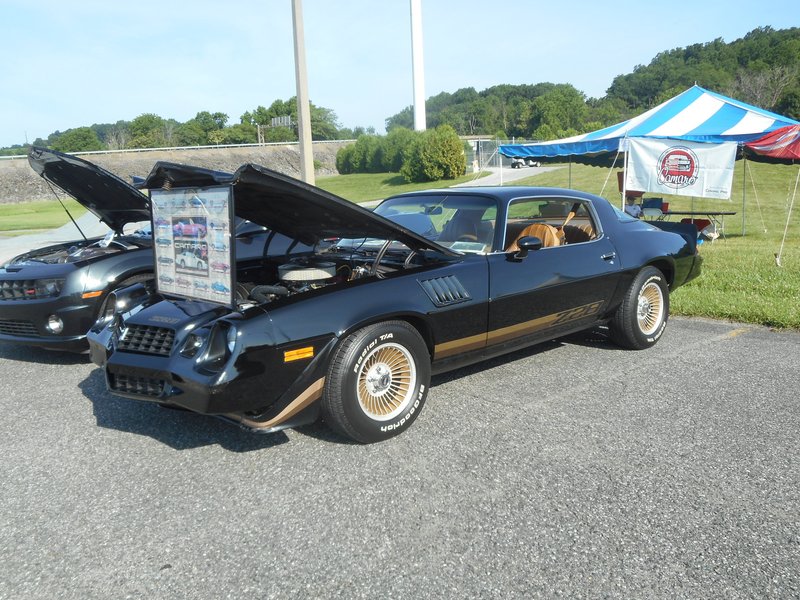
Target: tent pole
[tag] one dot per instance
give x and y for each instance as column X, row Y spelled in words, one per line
column 569, row 183
column 624, row 177
column 744, row 188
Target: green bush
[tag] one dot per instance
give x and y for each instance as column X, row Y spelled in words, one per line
column 428, row 156
column 397, row 147
column 344, row 160
column 376, row 154
column 436, row 154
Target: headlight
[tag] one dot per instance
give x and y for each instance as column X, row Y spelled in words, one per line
column 49, row 287
column 221, row 343
column 44, row 288
column 109, row 308
column 192, row 345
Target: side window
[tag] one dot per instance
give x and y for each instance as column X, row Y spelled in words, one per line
column 555, row 221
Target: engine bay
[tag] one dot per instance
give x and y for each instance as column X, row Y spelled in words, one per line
column 83, row 250
column 281, row 277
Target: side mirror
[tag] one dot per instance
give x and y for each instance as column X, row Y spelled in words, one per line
column 527, row 244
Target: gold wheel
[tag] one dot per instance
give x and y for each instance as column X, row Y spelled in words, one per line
column 386, row 381
column 650, row 308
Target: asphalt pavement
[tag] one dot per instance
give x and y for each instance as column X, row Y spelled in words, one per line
column 574, row 469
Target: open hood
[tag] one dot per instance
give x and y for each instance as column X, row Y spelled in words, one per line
column 114, row 201
column 289, row 206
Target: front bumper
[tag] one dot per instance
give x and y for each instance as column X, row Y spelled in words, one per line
column 25, row 322
column 255, row 390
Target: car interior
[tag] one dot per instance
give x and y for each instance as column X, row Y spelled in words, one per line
column 557, row 222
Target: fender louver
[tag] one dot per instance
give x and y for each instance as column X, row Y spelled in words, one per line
column 444, row 291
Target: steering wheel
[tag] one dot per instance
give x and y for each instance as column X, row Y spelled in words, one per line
column 467, row 237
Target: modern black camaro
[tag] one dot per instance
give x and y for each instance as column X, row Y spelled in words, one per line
column 351, row 322
column 51, row 296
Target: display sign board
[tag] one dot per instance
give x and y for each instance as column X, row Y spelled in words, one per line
column 193, row 245
column 680, row 167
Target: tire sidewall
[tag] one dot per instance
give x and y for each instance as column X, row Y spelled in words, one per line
column 646, row 277
column 364, row 342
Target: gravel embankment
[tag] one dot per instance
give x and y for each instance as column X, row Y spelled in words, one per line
column 19, row 183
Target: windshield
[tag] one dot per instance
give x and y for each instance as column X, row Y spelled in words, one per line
column 460, row 222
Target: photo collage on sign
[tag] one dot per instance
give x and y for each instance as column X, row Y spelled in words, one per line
column 192, row 236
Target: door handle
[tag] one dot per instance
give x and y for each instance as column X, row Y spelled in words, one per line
column 609, row 256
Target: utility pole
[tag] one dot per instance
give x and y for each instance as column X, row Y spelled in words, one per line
column 303, row 107
column 418, row 67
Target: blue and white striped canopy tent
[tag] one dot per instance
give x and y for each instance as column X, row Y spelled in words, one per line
column 695, row 115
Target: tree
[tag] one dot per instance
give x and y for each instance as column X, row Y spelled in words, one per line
column 764, row 87
column 191, row 133
column 323, row 120
column 240, row 134
column 118, row 137
column 81, row 139
column 397, row 147
column 559, row 110
column 147, row 131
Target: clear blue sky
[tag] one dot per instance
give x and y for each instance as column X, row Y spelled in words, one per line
column 71, row 64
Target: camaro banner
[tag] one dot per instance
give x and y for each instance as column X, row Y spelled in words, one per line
column 681, row 167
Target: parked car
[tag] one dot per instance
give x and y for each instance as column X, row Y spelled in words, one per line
column 518, row 163
column 50, row 296
column 189, row 229
column 353, row 327
column 220, row 288
column 190, row 260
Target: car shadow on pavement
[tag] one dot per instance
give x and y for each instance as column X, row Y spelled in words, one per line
column 178, row 429
column 184, row 430
column 33, row 354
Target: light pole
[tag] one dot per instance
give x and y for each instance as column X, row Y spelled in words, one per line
column 303, row 107
column 418, row 67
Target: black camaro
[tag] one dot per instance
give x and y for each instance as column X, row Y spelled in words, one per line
column 50, row 296
column 351, row 321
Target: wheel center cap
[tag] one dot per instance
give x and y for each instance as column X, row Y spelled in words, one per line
column 644, row 307
column 378, row 379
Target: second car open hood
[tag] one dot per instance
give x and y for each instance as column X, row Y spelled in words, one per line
column 114, row 201
column 289, row 206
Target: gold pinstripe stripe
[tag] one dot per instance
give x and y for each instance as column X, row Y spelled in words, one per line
column 503, row 334
column 309, row 395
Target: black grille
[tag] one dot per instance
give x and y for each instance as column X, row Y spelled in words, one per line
column 29, row 289
column 141, row 386
column 11, row 327
column 445, row 290
column 147, row 340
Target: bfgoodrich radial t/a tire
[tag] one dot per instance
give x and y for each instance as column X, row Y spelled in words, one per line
column 377, row 382
column 642, row 317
